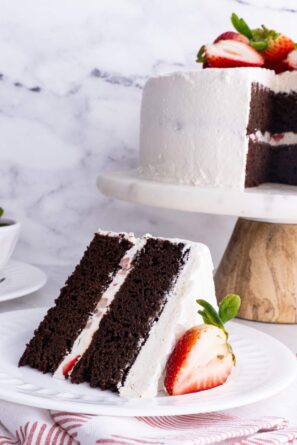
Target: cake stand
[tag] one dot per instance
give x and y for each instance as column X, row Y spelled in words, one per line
column 260, row 261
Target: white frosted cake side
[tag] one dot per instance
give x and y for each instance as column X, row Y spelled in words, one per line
column 193, row 126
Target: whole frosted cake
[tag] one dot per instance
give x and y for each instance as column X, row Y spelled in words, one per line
column 233, row 128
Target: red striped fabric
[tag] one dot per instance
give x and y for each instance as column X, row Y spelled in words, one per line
column 62, row 428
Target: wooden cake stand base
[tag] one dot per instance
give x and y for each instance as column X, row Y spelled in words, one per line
column 260, row 265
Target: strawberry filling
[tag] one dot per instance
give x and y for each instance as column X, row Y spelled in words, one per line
column 70, row 365
column 277, row 137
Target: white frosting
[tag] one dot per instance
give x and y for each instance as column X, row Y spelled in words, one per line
column 193, row 125
column 195, row 280
column 275, row 140
column 285, row 82
column 85, row 337
column 127, row 235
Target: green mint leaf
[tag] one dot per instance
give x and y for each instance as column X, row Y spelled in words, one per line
column 210, row 314
column 229, row 307
column 1, row 212
column 200, row 58
column 259, row 46
column 241, row 26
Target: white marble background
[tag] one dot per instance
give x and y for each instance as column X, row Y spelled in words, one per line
column 70, row 87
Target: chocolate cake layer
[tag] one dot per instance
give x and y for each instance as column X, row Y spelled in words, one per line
column 258, row 164
column 272, row 112
column 283, row 164
column 135, row 308
column 267, row 163
column 284, row 113
column 78, row 298
column 261, row 109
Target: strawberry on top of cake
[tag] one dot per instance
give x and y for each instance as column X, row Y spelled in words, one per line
column 259, row 47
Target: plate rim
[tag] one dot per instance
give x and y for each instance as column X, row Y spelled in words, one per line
column 28, row 289
column 144, row 411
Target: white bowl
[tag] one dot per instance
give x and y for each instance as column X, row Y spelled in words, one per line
column 9, row 235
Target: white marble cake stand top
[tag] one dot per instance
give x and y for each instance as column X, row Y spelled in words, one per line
column 268, row 202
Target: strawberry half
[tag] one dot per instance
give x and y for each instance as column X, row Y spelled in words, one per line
column 291, row 60
column 230, row 53
column 231, row 35
column 203, row 358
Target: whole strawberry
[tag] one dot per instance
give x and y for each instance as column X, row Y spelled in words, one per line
column 203, row 358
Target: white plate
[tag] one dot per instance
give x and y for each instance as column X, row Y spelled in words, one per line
column 273, row 202
column 20, row 279
column 265, row 367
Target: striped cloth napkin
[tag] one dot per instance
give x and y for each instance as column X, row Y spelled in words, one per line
column 22, row 425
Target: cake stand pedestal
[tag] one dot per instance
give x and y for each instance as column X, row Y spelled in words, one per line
column 260, row 264
column 260, row 261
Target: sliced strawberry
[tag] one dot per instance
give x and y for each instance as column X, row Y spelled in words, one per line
column 273, row 45
column 278, row 48
column 230, row 53
column 201, row 359
column 291, row 60
column 231, row 35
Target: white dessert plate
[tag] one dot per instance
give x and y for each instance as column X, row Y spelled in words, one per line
column 265, row 367
column 269, row 202
column 18, row 279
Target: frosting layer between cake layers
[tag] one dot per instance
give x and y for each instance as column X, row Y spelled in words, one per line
column 197, row 127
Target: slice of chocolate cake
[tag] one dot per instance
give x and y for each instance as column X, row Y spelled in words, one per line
column 120, row 313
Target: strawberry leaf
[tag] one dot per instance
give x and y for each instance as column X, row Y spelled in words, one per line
column 229, row 307
column 210, row 315
column 1, row 212
column 241, row 26
column 207, row 318
column 259, row 46
column 200, row 58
